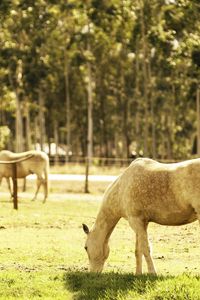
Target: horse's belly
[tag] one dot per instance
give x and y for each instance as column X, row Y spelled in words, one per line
column 174, row 218
column 22, row 172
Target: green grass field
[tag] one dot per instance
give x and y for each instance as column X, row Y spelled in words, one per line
column 42, row 254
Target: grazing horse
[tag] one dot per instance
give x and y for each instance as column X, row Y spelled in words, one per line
column 37, row 162
column 147, row 191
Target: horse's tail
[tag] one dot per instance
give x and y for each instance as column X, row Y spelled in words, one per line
column 46, row 177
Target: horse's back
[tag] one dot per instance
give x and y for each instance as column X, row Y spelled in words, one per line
column 151, row 175
column 35, row 154
column 164, row 193
column 37, row 162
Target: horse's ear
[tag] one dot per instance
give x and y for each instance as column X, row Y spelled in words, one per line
column 85, row 229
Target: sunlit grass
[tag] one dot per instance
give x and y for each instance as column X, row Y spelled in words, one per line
column 42, row 254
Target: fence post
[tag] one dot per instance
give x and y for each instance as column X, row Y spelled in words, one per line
column 14, row 178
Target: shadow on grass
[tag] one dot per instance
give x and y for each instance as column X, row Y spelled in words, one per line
column 108, row 285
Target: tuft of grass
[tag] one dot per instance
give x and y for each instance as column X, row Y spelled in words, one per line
column 108, row 285
column 117, row 286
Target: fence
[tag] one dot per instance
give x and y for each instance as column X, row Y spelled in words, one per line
column 98, row 161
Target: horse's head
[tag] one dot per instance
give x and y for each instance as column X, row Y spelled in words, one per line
column 97, row 250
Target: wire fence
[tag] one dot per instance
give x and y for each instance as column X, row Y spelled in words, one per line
column 98, row 161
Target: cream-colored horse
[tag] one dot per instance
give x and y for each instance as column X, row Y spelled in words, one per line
column 37, row 162
column 147, row 191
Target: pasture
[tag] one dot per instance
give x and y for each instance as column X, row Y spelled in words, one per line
column 42, row 252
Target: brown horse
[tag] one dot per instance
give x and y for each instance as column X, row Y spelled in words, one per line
column 37, row 162
column 147, row 191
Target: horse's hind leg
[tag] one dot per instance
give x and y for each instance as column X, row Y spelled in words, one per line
column 45, row 190
column 39, row 182
column 24, row 185
column 46, row 181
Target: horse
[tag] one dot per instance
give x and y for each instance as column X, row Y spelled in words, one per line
column 37, row 162
column 147, row 191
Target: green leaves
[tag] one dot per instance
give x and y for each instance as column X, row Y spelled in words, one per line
column 138, row 50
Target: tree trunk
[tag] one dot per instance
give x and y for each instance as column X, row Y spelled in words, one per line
column 90, row 115
column 138, row 101
column 27, row 128
column 153, row 126
column 18, row 114
column 198, row 120
column 68, row 110
column 90, row 127
column 35, row 130
column 56, row 140
column 104, row 135
column 125, row 127
column 18, row 126
column 41, row 119
column 145, row 79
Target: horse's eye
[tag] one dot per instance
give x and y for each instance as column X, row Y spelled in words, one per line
column 85, row 248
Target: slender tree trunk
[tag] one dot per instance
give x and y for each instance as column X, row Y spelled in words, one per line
column 198, row 120
column 125, row 127
column 41, row 119
column 145, row 79
column 173, row 119
column 168, row 136
column 138, row 101
column 56, row 140
column 104, row 137
column 35, row 130
column 90, row 128
column 18, row 126
column 18, row 114
column 68, row 110
column 90, row 115
column 153, row 130
column 151, row 99
column 27, row 128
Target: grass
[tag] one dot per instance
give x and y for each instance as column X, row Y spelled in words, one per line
column 42, row 254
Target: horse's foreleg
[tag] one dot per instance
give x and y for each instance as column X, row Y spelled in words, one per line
column 142, row 245
column 138, row 257
column 147, row 252
column 8, row 179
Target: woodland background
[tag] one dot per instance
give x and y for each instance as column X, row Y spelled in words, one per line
column 101, row 78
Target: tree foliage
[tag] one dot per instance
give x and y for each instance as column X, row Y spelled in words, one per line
column 144, row 57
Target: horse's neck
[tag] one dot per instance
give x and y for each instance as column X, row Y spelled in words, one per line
column 109, row 213
column 104, row 226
